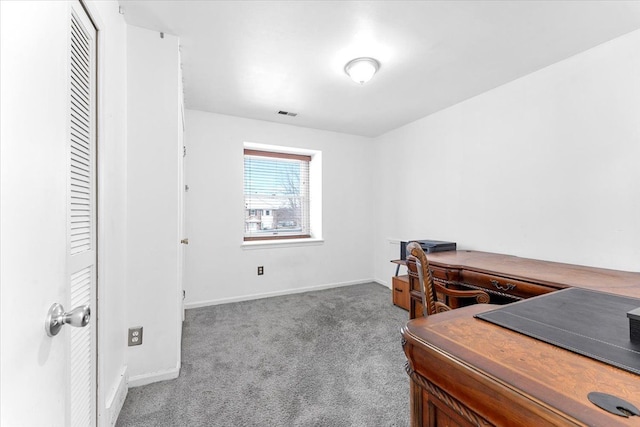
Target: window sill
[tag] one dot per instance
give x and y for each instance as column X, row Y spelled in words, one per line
column 282, row 243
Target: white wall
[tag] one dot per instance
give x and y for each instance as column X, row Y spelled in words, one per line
column 154, row 153
column 543, row 167
column 218, row 269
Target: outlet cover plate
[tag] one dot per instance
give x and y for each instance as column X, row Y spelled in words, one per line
column 135, row 336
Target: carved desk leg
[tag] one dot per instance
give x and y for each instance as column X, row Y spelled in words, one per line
column 415, row 399
column 415, row 393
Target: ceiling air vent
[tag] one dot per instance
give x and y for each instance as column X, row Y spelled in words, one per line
column 287, row 113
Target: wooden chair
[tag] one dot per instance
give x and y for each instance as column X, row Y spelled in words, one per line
column 418, row 267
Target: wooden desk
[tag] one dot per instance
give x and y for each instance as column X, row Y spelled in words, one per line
column 465, row 371
column 508, row 278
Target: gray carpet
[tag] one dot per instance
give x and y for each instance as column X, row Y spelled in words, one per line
column 324, row 358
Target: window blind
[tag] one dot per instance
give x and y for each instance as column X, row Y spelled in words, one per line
column 276, row 195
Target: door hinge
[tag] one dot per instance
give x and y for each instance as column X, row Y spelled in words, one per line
column 184, row 151
column 186, row 188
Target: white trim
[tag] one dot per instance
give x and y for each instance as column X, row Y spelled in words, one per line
column 93, row 13
column 182, row 225
column 274, row 294
column 116, row 399
column 154, row 377
column 281, row 243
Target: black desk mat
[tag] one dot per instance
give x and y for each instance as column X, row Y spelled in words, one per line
column 593, row 324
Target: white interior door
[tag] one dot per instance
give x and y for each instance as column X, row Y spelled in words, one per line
column 47, row 212
column 81, row 226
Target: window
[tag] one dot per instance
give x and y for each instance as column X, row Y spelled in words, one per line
column 277, row 184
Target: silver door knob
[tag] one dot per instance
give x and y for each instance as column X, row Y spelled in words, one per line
column 78, row 317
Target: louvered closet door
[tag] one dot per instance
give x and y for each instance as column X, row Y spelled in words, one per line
column 82, row 216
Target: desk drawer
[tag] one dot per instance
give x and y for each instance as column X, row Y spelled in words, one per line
column 400, row 291
column 446, row 274
column 440, row 275
column 504, row 285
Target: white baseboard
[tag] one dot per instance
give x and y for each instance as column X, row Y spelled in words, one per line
column 115, row 400
column 273, row 294
column 380, row 282
column 154, row 377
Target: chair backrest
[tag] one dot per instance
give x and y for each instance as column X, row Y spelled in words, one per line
column 418, row 268
column 419, row 272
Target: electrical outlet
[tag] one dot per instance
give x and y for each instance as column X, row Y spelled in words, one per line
column 260, row 270
column 135, row 336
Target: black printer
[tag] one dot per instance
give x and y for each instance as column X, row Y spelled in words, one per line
column 428, row 246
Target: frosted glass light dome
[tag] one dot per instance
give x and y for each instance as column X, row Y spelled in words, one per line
column 361, row 70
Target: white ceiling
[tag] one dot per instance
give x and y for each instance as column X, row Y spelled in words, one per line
column 253, row 58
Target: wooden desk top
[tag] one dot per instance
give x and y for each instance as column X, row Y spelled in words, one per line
column 509, row 378
column 549, row 273
column 505, row 377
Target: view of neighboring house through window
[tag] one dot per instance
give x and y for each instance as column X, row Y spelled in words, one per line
column 276, row 195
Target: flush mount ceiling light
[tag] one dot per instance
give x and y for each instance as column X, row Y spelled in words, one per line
column 361, row 70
